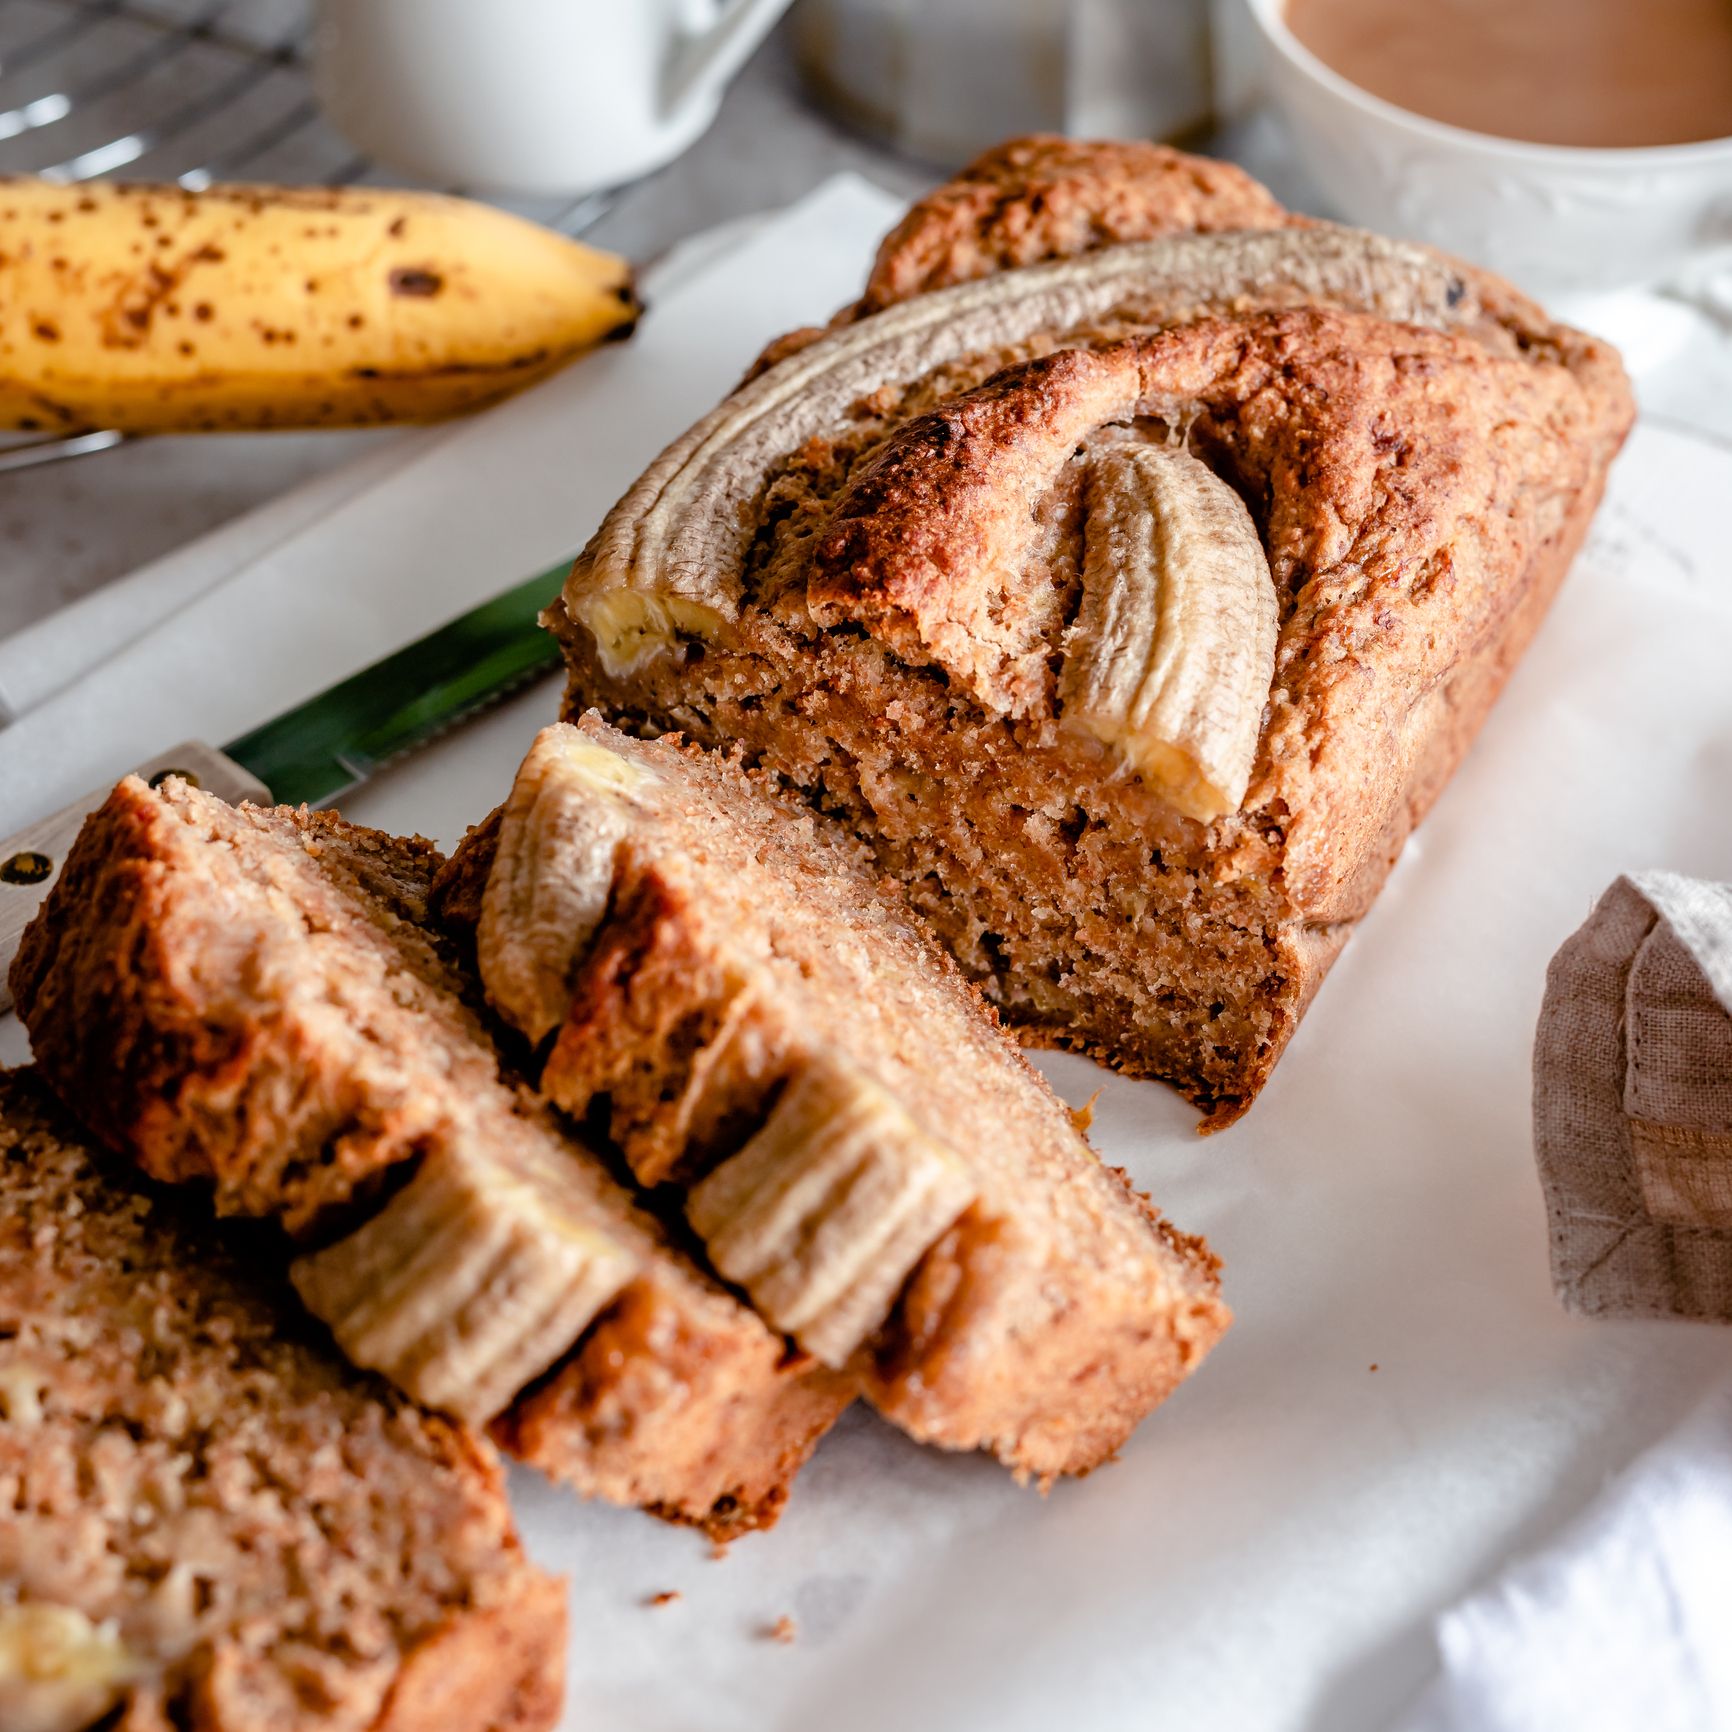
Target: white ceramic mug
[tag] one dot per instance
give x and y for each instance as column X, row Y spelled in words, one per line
column 1556, row 219
column 945, row 79
column 529, row 96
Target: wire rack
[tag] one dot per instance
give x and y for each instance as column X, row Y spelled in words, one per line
column 189, row 91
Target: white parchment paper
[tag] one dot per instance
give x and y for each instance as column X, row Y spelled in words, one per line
column 1402, row 1403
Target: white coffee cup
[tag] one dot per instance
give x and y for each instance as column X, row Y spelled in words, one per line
column 529, row 96
column 1555, row 219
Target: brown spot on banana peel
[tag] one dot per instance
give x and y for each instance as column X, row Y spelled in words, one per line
column 52, row 414
column 416, row 281
column 126, row 325
column 248, row 196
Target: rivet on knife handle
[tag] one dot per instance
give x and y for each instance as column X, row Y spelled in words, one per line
column 30, row 861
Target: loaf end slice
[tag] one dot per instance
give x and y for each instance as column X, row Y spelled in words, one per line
column 210, row 1519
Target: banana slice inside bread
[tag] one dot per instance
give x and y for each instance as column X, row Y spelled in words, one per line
column 252, row 1000
column 474, row 1278
column 761, row 1028
column 207, row 1518
column 828, row 1206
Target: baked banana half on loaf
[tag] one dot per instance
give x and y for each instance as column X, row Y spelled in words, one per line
column 250, row 999
column 1129, row 570
column 715, row 980
column 207, row 1519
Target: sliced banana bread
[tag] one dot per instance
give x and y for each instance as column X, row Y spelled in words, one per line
column 208, row 1519
column 250, row 999
column 719, row 984
column 1130, row 570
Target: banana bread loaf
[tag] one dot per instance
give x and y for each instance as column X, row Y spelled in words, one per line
column 251, row 999
column 721, row 986
column 1132, row 606
column 206, row 1518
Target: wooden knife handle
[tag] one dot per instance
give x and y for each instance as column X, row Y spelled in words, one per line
column 30, row 861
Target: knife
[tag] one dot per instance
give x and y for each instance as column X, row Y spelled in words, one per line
column 320, row 749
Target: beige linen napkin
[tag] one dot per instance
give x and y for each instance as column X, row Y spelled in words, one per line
column 1633, row 1102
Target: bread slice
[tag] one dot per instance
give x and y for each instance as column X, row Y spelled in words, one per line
column 916, row 566
column 249, row 999
column 208, row 1519
column 717, row 983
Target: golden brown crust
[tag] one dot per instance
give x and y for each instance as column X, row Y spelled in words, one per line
column 454, row 898
column 1435, row 736
column 1402, row 478
column 1048, row 197
column 498, row 1670
column 134, row 983
column 1419, row 488
column 653, row 995
column 620, row 1400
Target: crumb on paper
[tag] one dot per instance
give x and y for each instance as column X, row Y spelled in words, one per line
column 665, row 1598
column 1374, row 1365
column 1084, row 1116
column 1043, row 1483
column 784, row 1630
column 718, row 1551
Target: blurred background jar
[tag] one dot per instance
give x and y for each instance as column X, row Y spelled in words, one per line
column 944, row 79
column 530, row 96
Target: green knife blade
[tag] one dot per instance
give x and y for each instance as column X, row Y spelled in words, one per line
column 318, row 749
column 321, row 747
column 328, row 744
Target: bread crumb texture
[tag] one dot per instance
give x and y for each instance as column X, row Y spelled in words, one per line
column 208, row 1519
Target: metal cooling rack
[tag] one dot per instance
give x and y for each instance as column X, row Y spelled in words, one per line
column 191, row 91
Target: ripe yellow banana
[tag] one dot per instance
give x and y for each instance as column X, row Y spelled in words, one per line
column 156, row 310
